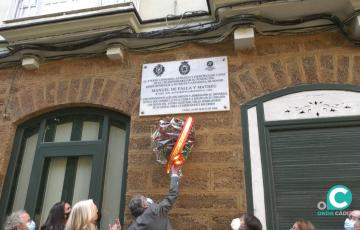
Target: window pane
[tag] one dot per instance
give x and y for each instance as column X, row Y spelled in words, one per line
column 82, row 4
column 82, row 181
column 53, row 6
column 90, row 131
column 26, row 8
column 113, row 176
column 54, row 185
column 24, row 176
column 63, row 132
column 56, row 6
column 58, row 130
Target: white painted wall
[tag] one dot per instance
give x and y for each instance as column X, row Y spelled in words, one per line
column 152, row 9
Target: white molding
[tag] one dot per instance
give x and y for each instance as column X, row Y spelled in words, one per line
column 256, row 167
column 313, row 104
column 54, row 31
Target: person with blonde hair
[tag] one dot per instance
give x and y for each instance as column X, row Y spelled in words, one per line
column 302, row 224
column 84, row 216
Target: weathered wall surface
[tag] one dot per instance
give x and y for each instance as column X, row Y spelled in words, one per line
column 213, row 188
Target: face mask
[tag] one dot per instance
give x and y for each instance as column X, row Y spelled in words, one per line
column 31, row 225
column 349, row 224
column 235, row 224
column 149, row 200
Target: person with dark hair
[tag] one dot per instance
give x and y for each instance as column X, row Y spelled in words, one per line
column 152, row 216
column 246, row 222
column 57, row 217
column 302, row 224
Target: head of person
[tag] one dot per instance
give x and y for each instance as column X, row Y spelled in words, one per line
column 58, row 216
column 84, row 215
column 349, row 223
column 246, row 222
column 303, row 225
column 138, row 204
column 357, row 225
column 19, row 220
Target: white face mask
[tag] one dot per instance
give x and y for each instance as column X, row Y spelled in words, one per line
column 349, row 224
column 149, row 200
column 31, row 225
column 236, row 223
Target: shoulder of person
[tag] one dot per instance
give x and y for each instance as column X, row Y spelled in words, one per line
column 154, row 208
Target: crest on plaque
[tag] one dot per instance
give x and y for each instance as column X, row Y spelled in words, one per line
column 184, row 68
column 210, row 65
column 159, row 70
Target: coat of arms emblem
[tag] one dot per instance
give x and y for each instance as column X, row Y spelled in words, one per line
column 159, row 70
column 210, row 65
column 184, row 68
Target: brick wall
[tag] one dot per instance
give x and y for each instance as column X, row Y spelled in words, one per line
column 212, row 190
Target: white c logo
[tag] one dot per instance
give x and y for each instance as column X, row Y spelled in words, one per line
column 332, row 198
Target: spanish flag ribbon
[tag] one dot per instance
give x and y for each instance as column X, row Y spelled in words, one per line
column 175, row 157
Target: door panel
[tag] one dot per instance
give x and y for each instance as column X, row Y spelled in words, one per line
column 24, row 176
column 54, row 185
column 82, row 179
column 112, row 186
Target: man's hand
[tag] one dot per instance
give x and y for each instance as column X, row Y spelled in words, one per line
column 175, row 171
column 115, row 226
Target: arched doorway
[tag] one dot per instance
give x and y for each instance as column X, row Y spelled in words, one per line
column 68, row 155
column 299, row 143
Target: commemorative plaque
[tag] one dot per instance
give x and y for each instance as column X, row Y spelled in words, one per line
column 187, row 86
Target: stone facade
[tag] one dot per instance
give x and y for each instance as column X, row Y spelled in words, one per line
column 213, row 187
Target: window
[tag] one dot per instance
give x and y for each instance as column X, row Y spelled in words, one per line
column 28, row 8
column 68, row 155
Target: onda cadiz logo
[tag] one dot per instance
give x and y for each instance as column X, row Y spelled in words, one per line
column 338, row 198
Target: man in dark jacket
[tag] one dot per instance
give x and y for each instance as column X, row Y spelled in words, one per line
column 152, row 216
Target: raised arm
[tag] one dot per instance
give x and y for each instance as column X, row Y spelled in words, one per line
column 166, row 204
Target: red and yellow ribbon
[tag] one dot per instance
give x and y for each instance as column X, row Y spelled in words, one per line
column 175, row 157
